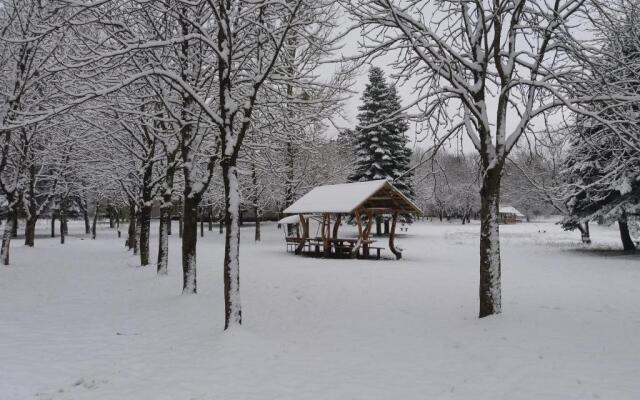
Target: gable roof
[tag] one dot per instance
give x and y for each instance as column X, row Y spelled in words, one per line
column 345, row 198
column 291, row 219
column 510, row 210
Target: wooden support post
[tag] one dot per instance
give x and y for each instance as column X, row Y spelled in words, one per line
column 367, row 231
column 326, row 234
column 336, row 225
column 392, row 235
column 305, row 235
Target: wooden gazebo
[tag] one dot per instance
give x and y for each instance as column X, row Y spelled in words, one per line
column 363, row 201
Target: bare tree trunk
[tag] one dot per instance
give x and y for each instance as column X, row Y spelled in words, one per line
column 145, row 228
column 627, row 242
column 189, row 230
column 257, row 236
column 53, row 223
column 136, row 247
column 220, row 223
column 490, row 285
column 290, row 166
column 64, row 226
column 95, row 222
column 111, row 220
column 14, row 229
column 165, row 226
column 63, row 218
column 256, row 201
column 210, row 217
column 163, row 239
column 131, row 232
column 201, row 224
column 30, row 231
column 584, row 233
column 378, row 225
column 87, row 223
column 6, row 238
column 233, row 311
column 85, row 213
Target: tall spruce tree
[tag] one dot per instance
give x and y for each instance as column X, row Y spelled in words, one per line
column 380, row 138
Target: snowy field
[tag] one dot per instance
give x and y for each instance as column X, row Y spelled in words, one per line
column 83, row 321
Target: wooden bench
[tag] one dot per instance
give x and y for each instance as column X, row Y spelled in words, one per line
column 343, row 249
column 377, row 249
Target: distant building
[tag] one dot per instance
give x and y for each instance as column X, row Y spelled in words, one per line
column 509, row 215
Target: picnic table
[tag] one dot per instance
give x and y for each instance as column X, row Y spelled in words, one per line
column 338, row 246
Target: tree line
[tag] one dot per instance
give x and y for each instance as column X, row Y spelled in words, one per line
column 116, row 104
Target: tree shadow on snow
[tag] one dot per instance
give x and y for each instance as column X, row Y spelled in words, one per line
column 605, row 251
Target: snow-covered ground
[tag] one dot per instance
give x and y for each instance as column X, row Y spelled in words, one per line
column 83, row 321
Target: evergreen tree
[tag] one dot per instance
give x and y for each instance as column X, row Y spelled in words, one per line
column 380, row 137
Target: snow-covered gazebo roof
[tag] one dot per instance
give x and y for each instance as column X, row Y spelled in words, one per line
column 378, row 196
column 290, row 219
column 510, row 210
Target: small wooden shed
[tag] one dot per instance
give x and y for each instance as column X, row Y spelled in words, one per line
column 510, row 215
column 363, row 201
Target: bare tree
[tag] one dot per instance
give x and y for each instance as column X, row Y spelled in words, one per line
column 488, row 69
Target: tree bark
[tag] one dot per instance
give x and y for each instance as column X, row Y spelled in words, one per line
column 584, row 233
column 111, row 219
column 392, row 236
column 85, row 213
column 136, row 247
column 95, row 222
column 189, row 241
column 64, row 226
column 163, row 240
column 232, row 308
column 336, row 225
column 257, row 236
column 625, row 236
column 145, row 228
column 131, row 232
column 490, row 285
column 14, row 229
column 201, row 224
column 31, row 205
column 30, row 231
column 87, row 224
column 165, row 228
column 210, row 217
column 53, row 223
column 6, row 238
column 63, row 218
